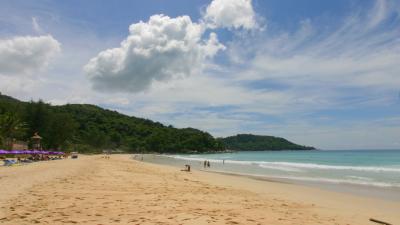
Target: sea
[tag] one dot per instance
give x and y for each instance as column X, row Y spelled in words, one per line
column 373, row 173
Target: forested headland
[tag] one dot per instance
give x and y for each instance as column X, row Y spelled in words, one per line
column 250, row 142
column 89, row 128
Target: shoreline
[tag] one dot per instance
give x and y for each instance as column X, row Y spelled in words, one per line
column 352, row 189
column 119, row 190
column 324, row 199
column 359, row 189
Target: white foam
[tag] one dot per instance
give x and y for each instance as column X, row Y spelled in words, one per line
column 322, row 180
column 281, row 168
column 193, row 159
column 292, row 166
column 360, row 178
column 343, row 181
column 331, row 167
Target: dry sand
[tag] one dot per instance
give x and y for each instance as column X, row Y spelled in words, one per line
column 93, row 190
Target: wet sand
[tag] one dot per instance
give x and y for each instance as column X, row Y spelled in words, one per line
column 93, row 190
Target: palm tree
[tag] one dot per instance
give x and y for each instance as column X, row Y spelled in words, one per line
column 11, row 127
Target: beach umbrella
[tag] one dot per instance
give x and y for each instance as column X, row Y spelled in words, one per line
column 60, row 153
column 36, row 152
column 15, row 152
column 3, row 152
column 44, row 152
column 28, row 152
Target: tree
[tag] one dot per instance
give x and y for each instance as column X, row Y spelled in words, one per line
column 134, row 144
column 37, row 116
column 115, row 139
column 11, row 127
column 61, row 130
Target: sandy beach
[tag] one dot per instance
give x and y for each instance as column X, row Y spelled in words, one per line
column 94, row 190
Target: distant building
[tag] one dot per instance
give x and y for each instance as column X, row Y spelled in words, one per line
column 19, row 145
column 36, row 145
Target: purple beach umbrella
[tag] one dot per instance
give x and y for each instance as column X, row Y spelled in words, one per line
column 15, row 152
column 36, row 152
column 3, row 152
column 28, row 152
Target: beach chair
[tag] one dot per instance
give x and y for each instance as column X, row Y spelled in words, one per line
column 8, row 162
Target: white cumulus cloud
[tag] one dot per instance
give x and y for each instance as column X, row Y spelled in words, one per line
column 231, row 14
column 161, row 49
column 25, row 55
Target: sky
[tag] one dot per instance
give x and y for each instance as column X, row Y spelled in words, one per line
column 319, row 73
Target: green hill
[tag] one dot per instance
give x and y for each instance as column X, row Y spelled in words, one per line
column 88, row 128
column 249, row 142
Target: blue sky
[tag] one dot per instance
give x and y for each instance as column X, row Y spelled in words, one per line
column 320, row 73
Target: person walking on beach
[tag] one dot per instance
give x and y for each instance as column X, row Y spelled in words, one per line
column 205, row 164
column 208, row 164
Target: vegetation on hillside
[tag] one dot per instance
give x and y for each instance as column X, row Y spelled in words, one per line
column 88, row 128
column 249, row 142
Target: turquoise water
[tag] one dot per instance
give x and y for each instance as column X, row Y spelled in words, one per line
column 375, row 168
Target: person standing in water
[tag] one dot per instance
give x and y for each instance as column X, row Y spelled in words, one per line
column 208, row 164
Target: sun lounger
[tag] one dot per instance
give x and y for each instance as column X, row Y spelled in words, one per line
column 8, row 162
